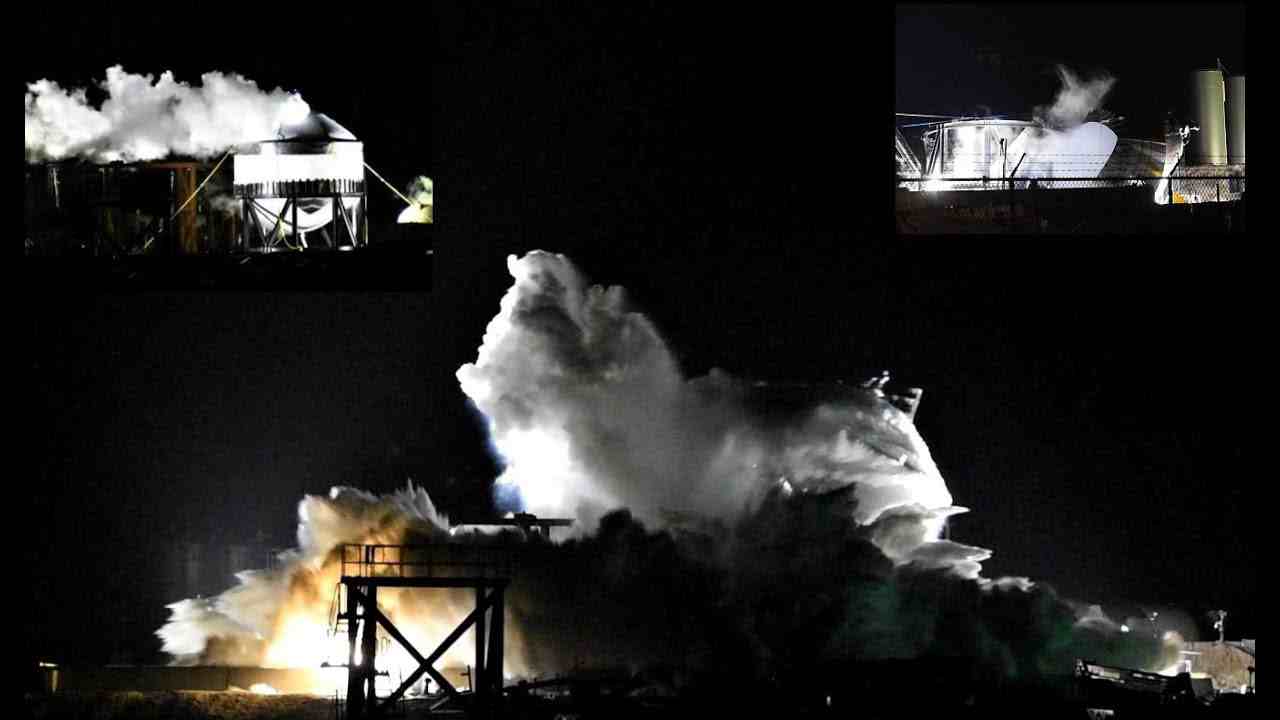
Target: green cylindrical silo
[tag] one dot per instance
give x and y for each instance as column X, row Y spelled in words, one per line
column 1208, row 112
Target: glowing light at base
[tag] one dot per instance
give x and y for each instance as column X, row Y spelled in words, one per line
column 302, row 641
column 304, row 638
column 965, row 156
column 1162, row 188
column 284, row 618
column 263, row 689
column 421, row 194
column 1174, row 641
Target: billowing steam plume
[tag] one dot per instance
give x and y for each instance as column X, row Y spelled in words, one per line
column 144, row 118
column 590, row 412
column 833, row 497
column 1075, row 100
column 724, row 528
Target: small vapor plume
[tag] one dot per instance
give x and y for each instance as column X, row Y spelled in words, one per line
column 148, row 118
column 420, row 192
column 1075, row 100
column 223, row 202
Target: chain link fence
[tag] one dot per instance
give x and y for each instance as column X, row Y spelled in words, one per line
column 1176, row 189
column 1190, row 203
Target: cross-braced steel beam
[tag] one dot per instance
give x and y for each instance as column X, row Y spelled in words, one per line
column 362, row 594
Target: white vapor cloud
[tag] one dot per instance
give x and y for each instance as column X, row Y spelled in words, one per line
column 590, row 412
column 149, row 118
column 1075, row 99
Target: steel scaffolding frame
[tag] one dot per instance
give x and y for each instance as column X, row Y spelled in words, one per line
column 365, row 568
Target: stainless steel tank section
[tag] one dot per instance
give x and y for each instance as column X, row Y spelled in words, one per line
column 1235, row 119
column 972, row 149
column 1208, row 111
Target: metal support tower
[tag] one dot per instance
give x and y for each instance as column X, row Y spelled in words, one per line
column 365, row 568
column 348, row 229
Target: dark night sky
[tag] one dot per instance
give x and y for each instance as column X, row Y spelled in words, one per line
column 1148, row 48
column 1077, row 394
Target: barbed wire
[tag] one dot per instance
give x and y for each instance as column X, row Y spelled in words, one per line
column 1013, row 157
column 1025, row 178
column 1039, row 154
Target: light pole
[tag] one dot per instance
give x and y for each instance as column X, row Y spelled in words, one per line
column 1220, row 623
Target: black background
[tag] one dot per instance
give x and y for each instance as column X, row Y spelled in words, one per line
column 1089, row 398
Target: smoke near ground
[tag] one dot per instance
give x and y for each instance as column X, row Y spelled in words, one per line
column 724, row 529
column 280, row 617
column 1076, row 98
column 147, row 118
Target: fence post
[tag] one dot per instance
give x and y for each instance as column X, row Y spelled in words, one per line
column 1012, row 218
column 1035, row 203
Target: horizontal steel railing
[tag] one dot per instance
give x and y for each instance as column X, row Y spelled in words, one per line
column 434, row 560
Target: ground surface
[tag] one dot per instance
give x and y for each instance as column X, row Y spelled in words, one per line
column 185, row 705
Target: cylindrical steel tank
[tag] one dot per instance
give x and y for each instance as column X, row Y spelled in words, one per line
column 309, row 177
column 1208, row 112
column 972, row 149
column 1235, row 119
